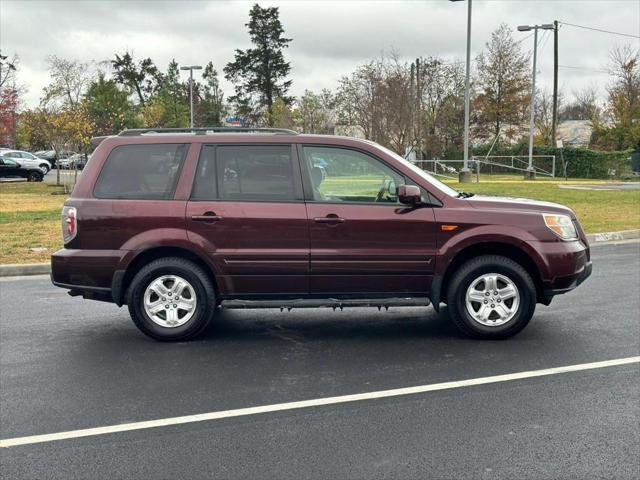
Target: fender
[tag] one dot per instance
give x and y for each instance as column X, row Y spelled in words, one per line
column 158, row 238
column 474, row 236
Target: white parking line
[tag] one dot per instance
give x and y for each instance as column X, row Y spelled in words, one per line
column 278, row 407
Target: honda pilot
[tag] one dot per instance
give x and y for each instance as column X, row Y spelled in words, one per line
column 178, row 224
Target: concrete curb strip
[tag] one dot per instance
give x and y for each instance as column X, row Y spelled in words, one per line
column 18, row 270
column 595, row 238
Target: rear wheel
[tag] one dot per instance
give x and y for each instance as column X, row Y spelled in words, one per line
column 491, row 297
column 35, row 177
column 171, row 299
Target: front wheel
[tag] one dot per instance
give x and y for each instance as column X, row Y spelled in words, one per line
column 491, row 297
column 45, row 168
column 171, row 299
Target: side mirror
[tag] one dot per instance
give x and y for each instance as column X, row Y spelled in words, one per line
column 409, row 194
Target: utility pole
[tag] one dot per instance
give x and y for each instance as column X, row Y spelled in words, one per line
column 530, row 173
column 465, row 173
column 191, row 69
column 555, row 84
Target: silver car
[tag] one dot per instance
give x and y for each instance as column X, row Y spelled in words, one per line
column 27, row 159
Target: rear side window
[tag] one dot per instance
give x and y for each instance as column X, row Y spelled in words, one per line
column 143, row 172
column 246, row 172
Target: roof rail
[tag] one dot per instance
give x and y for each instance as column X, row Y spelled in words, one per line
column 205, row 131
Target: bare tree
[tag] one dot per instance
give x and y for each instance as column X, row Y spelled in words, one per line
column 624, row 92
column 377, row 97
column 584, row 106
column 504, row 84
column 69, row 81
column 544, row 116
column 8, row 68
column 439, row 106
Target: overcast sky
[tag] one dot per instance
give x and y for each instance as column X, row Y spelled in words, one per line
column 329, row 37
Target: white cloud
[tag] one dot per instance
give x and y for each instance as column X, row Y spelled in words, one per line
column 329, row 37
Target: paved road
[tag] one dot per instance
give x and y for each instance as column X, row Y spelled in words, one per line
column 68, row 364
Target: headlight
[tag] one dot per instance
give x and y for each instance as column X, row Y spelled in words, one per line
column 561, row 225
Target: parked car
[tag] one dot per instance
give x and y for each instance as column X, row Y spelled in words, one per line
column 176, row 225
column 10, row 168
column 78, row 160
column 50, row 155
column 27, row 159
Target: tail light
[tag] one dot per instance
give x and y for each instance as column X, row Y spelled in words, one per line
column 69, row 223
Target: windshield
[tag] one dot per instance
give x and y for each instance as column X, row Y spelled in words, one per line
column 432, row 180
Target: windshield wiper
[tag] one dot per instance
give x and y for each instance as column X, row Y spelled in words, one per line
column 465, row 194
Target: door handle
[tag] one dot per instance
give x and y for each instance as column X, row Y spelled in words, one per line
column 331, row 219
column 206, row 217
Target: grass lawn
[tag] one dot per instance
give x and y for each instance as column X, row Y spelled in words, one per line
column 29, row 217
column 30, row 214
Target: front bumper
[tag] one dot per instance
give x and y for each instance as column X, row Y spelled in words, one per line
column 567, row 283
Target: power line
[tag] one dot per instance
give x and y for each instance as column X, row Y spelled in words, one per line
column 601, row 30
column 584, row 68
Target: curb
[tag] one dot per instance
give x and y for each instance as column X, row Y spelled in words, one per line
column 22, row 269
column 19, row 270
column 611, row 237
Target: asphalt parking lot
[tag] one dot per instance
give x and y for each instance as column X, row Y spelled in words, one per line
column 68, row 364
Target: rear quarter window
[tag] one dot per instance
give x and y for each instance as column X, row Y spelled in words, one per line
column 143, row 172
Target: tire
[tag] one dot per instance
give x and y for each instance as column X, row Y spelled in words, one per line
column 35, row 177
column 166, row 324
column 513, row 307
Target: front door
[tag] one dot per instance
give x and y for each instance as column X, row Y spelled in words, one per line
column 9, row 168
column 247, row 211
column 362, row 239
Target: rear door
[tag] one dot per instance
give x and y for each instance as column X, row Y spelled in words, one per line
column 362, row 239
column 247, row 211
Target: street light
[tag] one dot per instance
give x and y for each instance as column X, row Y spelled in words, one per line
column 191, row 69
column 530, row 174
column 465, row 173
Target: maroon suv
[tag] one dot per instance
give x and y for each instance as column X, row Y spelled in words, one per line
column 176, row 224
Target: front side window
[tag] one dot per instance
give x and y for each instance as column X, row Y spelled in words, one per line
column 343, row 175
column 254, row 172
column 143, row 172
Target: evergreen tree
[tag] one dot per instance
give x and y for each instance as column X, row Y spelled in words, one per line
column 211, row 105
column 259, row 73
column 141, row 79
column 173, row 99
column 108, row 107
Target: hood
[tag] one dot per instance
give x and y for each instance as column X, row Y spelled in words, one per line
column 509, row 203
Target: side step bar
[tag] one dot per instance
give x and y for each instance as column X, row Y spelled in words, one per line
column 329, row 303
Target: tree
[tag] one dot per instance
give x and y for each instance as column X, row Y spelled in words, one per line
column 504, row 85
column 172, row 99
column 623, row 102
column 282, row 116
column 259, row 73
column 69, row 80
column 8, row 99
column 109, row 108
column 211, row 102
column 585, row 106
column 140, row 79
column 317, row 112
column 438, row 106
column 377, row 98
column 544, row 117
column 68, row 129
